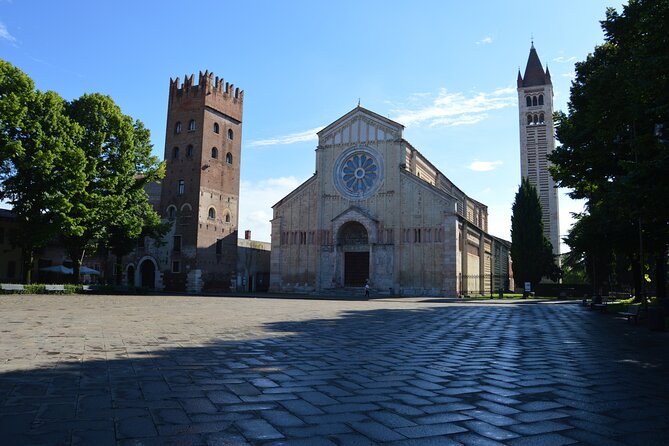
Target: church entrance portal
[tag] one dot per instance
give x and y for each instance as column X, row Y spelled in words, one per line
column 356, row 268
column 148, row 272
column 355, row 247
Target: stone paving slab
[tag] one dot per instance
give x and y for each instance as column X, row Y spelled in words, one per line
column 206, row 370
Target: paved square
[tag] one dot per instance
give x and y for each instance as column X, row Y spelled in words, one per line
column 185, row 370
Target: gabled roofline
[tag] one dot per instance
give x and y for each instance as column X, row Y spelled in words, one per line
column 358, row 210
column 296, row 190
column 352, row 112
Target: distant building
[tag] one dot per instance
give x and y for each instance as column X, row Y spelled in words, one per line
column 11, row 257
column 537, row 141
column 377, row 210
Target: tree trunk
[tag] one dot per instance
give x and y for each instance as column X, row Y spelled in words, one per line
column 661, row 272
column 636, row 277
column 27, row 265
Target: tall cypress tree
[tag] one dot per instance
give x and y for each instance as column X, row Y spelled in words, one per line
column 531, row 252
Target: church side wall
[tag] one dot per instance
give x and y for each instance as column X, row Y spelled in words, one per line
column 296, row 242
column 426, row 241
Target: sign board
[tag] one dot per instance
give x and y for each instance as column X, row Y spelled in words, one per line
column 528, row 287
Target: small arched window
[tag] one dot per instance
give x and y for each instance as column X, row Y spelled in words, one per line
column 177, row 127
column 536, row 119
column 228, row 158
column 529, row 119
column 227, row 218
column 189, row 151
column 529, row 101
column 171, row 212
column 175, row 153
column 541, row 118
column 212, row 213
column 182, row 187
column 534, row 100
column 214, row 152
column 230, row 134
column 191, row 125
column 541, row 99
column 216, row 128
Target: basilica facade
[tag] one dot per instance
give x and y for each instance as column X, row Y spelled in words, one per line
column 377, row 211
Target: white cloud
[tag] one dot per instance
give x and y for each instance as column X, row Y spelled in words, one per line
column 484, row 166
column 307, row 135
column 485, row 41
column 5, row 34
column 570, row 75
column 563, row 59
column 452, row 109
column 256, row 201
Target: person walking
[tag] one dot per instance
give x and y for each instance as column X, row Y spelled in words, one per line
column 367, row 288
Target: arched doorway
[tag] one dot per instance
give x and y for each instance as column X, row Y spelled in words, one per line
column 354, row 243
column 130, row 275
column 147, row 270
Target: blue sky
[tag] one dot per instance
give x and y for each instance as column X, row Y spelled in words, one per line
column 445, row 69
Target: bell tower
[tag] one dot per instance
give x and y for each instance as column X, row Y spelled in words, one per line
column 200, row 191
column 537, row 141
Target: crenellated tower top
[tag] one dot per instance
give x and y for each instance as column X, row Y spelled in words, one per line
column 208, row 84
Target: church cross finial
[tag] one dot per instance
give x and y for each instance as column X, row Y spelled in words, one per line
column 358, row 102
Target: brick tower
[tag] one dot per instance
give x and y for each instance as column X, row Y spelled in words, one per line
column 200, row 192
column 537, row 141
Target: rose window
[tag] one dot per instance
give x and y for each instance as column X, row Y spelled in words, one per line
column 358, row 173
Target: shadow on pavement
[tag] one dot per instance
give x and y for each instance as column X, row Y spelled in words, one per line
column 464, row 373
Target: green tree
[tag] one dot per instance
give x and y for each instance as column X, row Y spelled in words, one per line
column 614, row 149
column 40, row 168
column 531, row 252
column 113, row 210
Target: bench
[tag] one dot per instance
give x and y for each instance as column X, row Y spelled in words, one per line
column 55, row 288
column 13, row 287
column 633, row 311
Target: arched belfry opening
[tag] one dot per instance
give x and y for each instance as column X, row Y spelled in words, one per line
column 354, row 242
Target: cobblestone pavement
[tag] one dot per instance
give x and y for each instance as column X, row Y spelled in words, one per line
column 154, row 370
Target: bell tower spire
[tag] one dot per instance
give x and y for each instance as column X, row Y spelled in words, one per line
column 537, row 140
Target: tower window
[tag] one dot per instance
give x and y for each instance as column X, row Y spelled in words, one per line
column 182, row 187
column 191, row 125
column 216, row 128
column 529, row 101
column 212, row 213
column 536, row 119
column 214, row 152
column 230, row 134
column 176, row 243
column 175, row 153
column 541, row 118
column 534, row 100
column 529, row 119
column 541, row 99
column 189, row 151
column 228, row 158
column 171, row 212
column 177, row 127
column 227, row 218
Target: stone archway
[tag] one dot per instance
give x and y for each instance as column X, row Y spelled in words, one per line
column 147, row 274
column 354, row 242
